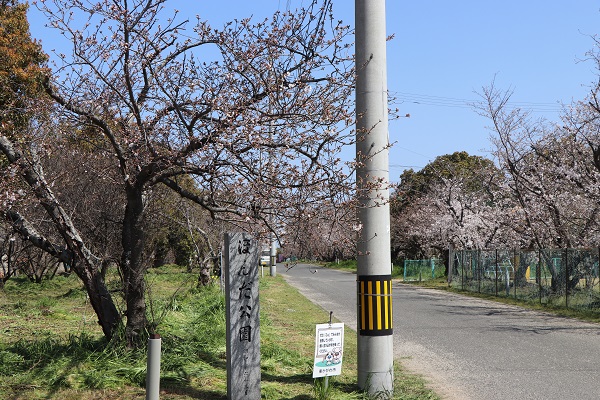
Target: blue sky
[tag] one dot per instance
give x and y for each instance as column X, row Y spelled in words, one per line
column 443, row 53
column 449, row 50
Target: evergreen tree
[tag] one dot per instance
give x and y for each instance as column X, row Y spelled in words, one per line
column 22, row 67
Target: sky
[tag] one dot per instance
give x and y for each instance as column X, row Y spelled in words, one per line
column 443, row 54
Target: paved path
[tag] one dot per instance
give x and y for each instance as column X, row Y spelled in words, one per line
column 471, row 349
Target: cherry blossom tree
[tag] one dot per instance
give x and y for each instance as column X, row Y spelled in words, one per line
column 254, row 112
column 552, row 173
column 455, row 200
column 325, row 231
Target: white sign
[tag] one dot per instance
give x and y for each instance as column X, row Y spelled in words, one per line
column 329, row 348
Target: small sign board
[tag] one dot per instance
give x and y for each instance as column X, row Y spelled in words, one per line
column 329, row 349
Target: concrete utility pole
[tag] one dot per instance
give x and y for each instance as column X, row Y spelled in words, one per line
column 375, row 340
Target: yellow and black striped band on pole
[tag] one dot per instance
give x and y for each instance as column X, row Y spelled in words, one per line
column 375, row 305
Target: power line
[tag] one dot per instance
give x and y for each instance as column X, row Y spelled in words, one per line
column 405, row 166
column 441, row 101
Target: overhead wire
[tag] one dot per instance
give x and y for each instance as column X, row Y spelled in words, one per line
column 441, row 101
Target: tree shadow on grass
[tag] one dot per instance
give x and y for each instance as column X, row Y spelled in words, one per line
column 92, row 364
column 342, row 387
column 298, row 378
column 192, row 392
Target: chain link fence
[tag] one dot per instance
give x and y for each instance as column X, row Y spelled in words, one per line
column 554, row 277
column 423, row 270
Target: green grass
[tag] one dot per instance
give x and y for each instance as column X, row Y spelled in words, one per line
column 52, row 348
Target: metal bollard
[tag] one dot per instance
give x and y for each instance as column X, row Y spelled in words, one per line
column 153, row 367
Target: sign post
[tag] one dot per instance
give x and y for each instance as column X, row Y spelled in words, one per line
column 243, row 332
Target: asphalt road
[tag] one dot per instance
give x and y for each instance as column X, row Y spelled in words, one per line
column 471, row 349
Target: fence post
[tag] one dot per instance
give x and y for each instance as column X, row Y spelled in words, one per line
column 462, row 284
column 153, row 367
column 404, row 270
column 566, row 278
column 507, row 277
column 451, row 262
column 517, row 267
column 478, row 271
column 496, row 274
column 538, row 274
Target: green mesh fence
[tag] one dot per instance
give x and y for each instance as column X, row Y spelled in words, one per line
column 422, row 270
column 556, row 277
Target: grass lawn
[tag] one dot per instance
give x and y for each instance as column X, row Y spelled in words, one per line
column 52, row 348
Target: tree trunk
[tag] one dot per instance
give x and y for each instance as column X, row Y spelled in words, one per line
column 76, row 254
column 133, row 268
column 82, row 262
column 100, row 299
column 208, row 263
column 521, row 265
column 206, row 268
column 446, row 260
